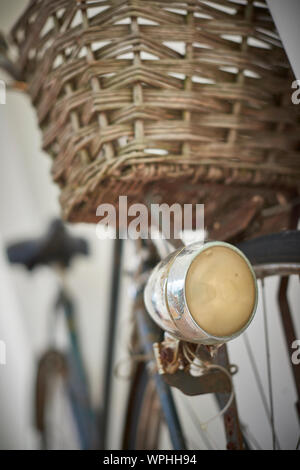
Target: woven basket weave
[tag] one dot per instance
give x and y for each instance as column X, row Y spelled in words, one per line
column 136, row 96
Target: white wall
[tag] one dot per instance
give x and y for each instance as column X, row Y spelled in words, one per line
column 286, row 17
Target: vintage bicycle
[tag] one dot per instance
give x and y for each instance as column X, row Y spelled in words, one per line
column 175, row 102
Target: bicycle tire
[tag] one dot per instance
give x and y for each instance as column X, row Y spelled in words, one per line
column 51, row 379
column 141, row 433
column 282, row 247
column 59, row 405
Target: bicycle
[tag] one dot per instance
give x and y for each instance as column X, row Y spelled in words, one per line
column 273, row 254
column 64, row 416
column 178, row 100
column 150, row 399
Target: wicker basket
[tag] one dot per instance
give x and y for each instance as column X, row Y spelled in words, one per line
column 177, row 98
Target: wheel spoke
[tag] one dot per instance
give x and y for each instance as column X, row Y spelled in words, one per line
column 249, row 436
column 269, row 370
column 258, row 381
column 205, row 436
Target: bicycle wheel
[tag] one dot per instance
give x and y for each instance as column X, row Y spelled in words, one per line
column 144, row 416
column 53, row 412
column 275, row 254
column 62, row 409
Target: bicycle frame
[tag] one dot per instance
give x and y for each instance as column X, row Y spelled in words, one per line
column 77, row 383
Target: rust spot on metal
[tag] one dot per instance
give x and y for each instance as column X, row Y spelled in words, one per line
column 231, row 446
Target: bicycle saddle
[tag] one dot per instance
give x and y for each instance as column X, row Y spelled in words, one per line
column 56, row 246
